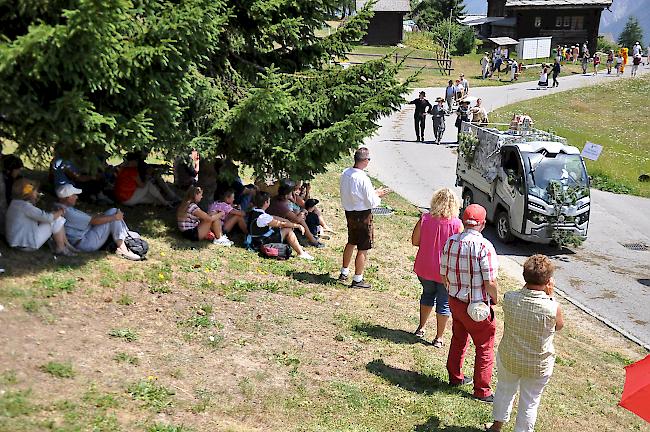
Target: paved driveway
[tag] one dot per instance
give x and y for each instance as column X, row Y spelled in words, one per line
column 603, row 277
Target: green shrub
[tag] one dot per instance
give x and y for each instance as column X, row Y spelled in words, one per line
column 154, row 395
column 604, row 44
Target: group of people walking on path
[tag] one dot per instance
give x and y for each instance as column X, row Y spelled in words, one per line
column 455, row 95
column 458, row 268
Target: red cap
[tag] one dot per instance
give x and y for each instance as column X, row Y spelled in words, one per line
column 474, row 214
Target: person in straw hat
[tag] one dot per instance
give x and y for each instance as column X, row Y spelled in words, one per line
column 28, row 227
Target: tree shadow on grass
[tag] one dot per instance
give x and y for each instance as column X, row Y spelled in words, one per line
column 433, row 424
column 321, row 279
column 411, row 380
column 394, row 335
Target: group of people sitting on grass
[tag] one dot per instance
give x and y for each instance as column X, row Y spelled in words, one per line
column 289, row 216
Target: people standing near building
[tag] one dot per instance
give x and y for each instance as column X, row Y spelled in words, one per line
column 619, row 64
column 450, row 93
column 636, row 49
column 636, row 61
column 422, row 107
column 468, row 268
column 585, row 49
column 596, row 60
column 358, row 197
column 526, row 356
column 430, row 235
column 610, row 61
column 556, row 72
column 574, row 52
column 438, row 113
column 485, row 65
column 584, row 62
column 648, row 54
column 514, row 69
column 459, row 91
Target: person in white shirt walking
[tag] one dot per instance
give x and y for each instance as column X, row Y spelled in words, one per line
column 358, row 197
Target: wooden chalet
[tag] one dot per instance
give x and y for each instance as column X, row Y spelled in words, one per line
column 386, row 26
column 568, row 22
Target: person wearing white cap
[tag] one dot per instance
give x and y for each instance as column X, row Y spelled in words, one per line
column 89, row 233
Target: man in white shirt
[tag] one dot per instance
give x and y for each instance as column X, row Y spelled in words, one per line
column 358, row 197
column 465, row 84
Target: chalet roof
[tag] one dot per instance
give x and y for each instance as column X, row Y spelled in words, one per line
column 558, row 3
column 387, row 5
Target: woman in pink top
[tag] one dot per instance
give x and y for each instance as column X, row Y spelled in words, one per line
column 430, row 234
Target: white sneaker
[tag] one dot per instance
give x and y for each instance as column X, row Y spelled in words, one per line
column 127, row 254
column 222, row 241
column 306, row 256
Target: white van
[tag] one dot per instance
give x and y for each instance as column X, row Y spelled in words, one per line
column 533, row 185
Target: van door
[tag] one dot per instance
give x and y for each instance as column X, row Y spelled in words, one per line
column 511, row 187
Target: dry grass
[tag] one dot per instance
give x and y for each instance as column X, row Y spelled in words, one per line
column 237, row 343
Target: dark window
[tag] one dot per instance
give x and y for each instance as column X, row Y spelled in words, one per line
column 577, row 23
column 567, row 21
column 558, row 21
column 538, row 22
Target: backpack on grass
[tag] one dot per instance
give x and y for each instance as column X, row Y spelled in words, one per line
column 278, row 251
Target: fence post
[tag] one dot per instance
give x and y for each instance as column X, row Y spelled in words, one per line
column 396, row 58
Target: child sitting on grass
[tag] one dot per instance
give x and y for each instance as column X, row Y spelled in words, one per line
column 231, row 216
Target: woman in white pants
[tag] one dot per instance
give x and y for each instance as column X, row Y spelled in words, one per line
column 526, row 353
column 28, row 227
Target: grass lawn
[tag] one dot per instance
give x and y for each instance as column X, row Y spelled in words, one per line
column 615, row 115
column 201, row 338
column 468, row 64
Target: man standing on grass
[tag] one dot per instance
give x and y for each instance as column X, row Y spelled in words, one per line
column 422, row 107
column 358, row 197
column 468, row 268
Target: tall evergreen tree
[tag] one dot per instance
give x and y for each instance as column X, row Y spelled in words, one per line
column 632, row 33
column 428, row 13
column 247, row 79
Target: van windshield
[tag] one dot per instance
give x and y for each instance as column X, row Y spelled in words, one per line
column 542, row 169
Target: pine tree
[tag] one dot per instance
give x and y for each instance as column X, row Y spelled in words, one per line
column 632, row 33
column 246, row 79
column 428, row 13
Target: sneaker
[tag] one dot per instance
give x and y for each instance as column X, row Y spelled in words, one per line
column 362, row 284
column 127, row 254
column 486, row 399
column 317, row 245
column 222, row 241
column 306, row 256
column 466, row 381
column 343, row 278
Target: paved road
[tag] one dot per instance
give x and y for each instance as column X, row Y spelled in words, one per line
column 603, row 276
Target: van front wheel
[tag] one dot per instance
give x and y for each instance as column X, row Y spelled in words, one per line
column 503, row 228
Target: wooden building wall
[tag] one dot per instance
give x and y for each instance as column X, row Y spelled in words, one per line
column 566, row 26
column 385, row 28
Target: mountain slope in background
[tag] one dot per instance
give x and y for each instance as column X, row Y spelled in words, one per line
column 611, row 23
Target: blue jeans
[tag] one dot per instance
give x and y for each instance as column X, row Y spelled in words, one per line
column 435, row 294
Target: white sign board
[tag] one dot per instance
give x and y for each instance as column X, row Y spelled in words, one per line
column 534, row 48
column 592, row 151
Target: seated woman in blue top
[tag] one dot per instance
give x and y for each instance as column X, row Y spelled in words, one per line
column 28, row 227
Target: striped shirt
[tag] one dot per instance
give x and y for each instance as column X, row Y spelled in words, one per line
column 190, row 221
column 468, row 260
column 529, row 326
